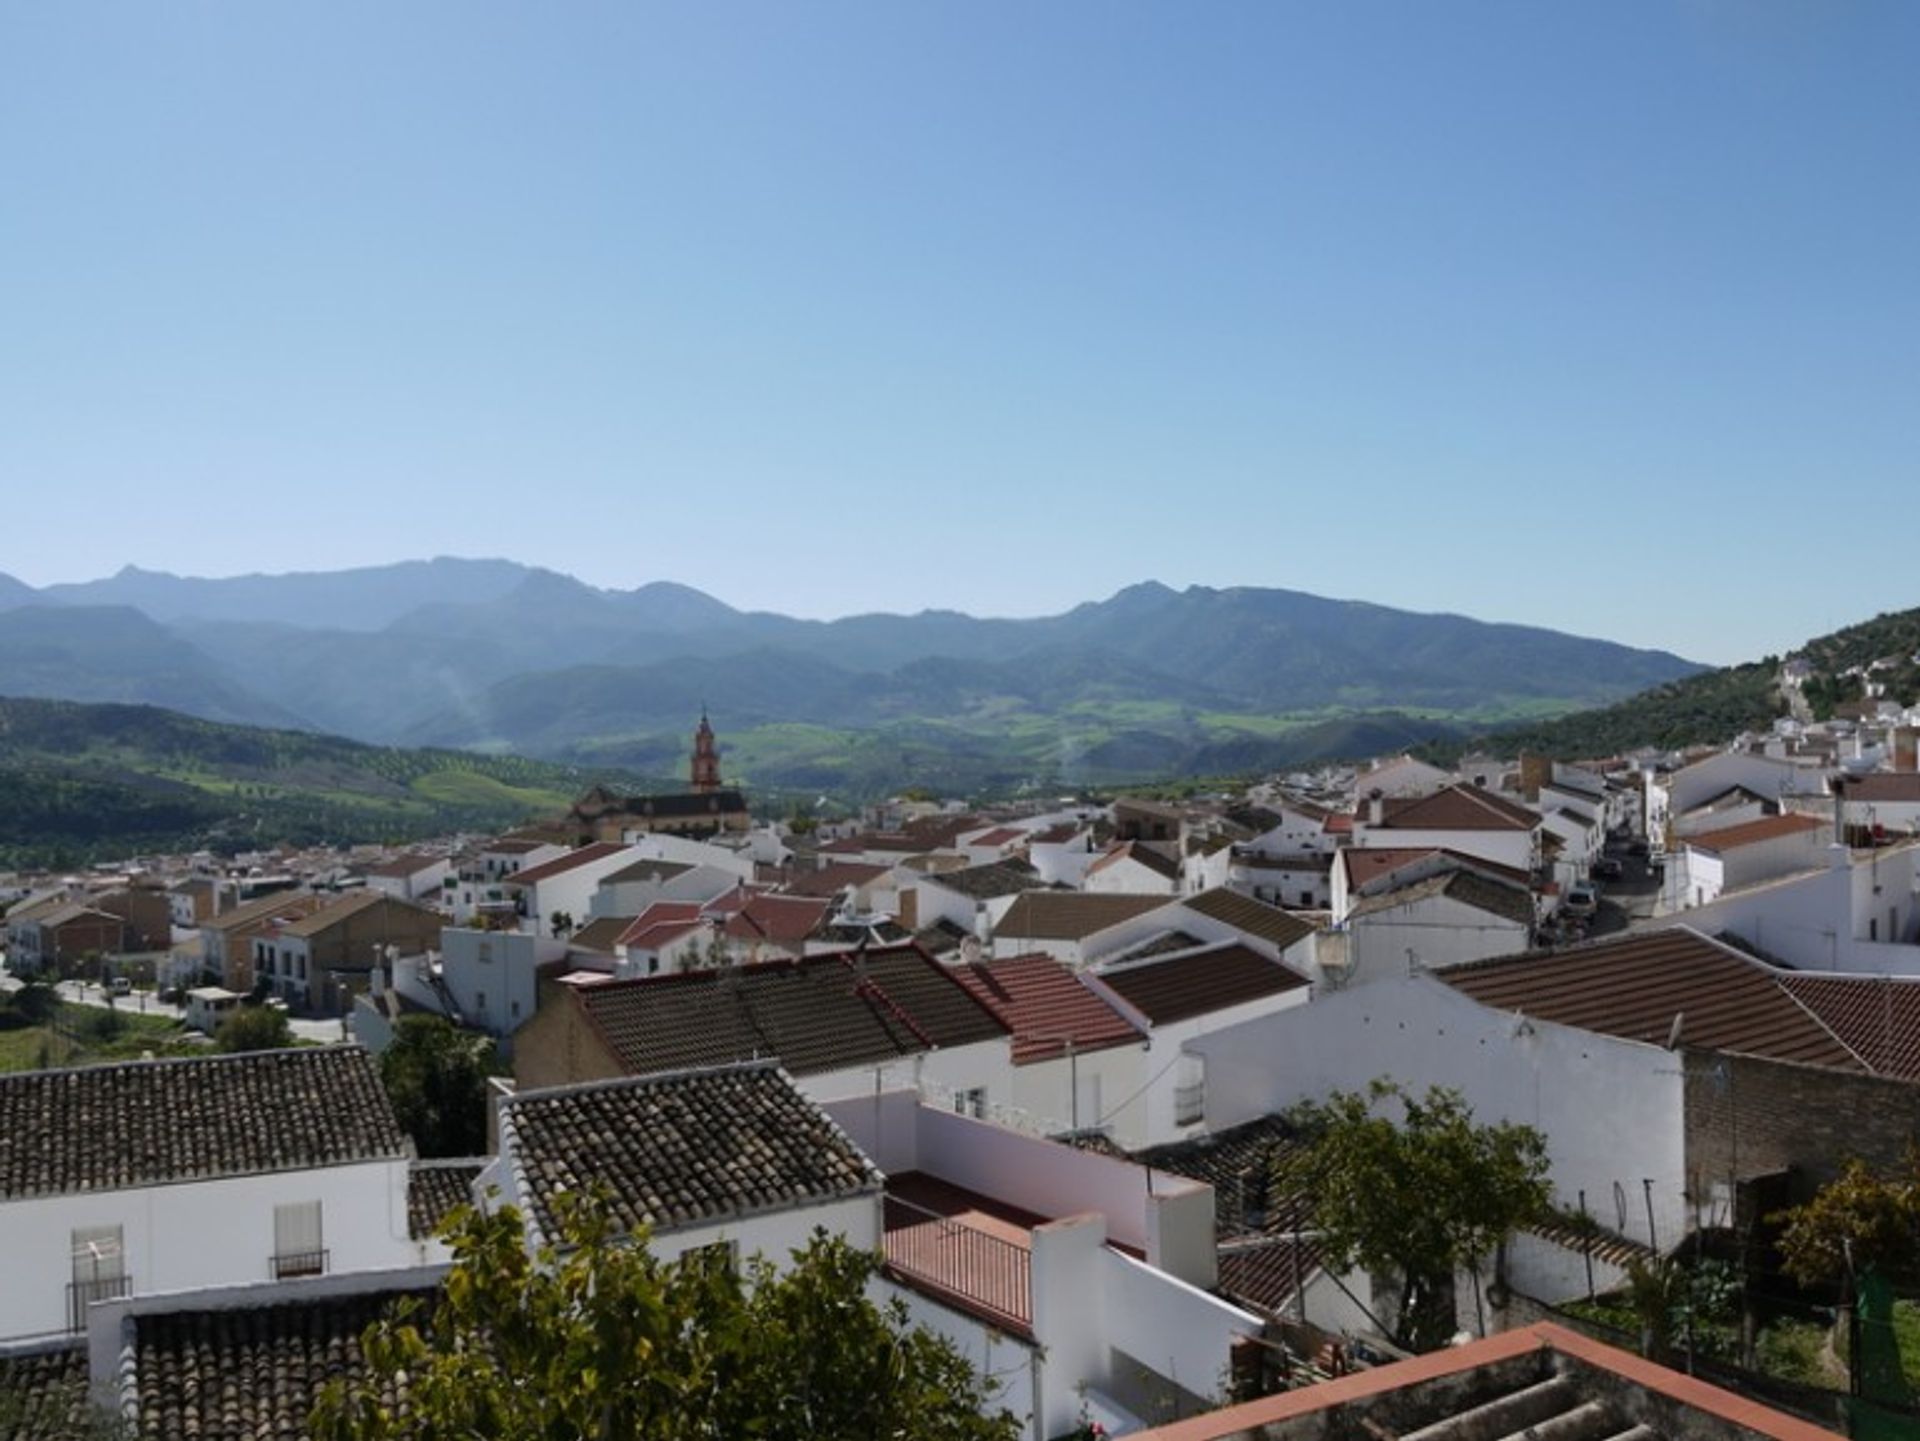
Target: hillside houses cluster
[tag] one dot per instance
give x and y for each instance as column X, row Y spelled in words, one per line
column 1038, row 1058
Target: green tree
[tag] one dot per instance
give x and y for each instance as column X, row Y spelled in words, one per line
column 1418, row 1197
column 1856, row 1221
column 436, row 1077
column 596, row 1337
column 36, row 1003
column 254, row 1028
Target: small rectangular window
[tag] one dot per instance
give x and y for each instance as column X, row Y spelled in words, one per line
column 298, row 1246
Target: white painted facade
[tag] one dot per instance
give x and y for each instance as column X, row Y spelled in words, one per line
column 697, row 886
column 569, row 892
column 1098, row 1316
column 1697, row 874
column 491, row 975
column 1861, row 913
column 1125, row 875
column 658, row 845
column 1426, row 933
column 1611, row 1110
column 192, row 1234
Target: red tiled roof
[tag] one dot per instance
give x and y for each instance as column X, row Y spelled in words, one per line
column 1458, row 808
column 785, row 920
column 1047, row 1005
column 999, row 836
column 819, row 1013
column 1071, row 915
column 1198, row 982
column 1749, row 833
column 1877, row 1016
column 832, row 879
column 560, row 865
column 1369, row 863
column 1634, row 985
column 1884, row 786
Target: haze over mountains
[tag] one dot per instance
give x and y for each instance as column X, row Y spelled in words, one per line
column 490, row 653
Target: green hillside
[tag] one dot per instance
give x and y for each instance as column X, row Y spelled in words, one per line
column 1704, row 709
column 83, row 782
column 1713, row 706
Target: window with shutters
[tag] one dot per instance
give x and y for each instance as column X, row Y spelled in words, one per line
column 298, row 1248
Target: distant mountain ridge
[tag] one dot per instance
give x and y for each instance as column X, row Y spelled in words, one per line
column 496, row 655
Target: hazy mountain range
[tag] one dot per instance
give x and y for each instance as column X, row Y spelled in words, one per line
column 497, row 655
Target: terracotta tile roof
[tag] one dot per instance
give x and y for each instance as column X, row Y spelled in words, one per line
column 403, row 866
column 1511, row 903
column 1264, row 1272
column 147, row 1123
column 683, row 1149
column 996, row 878
column 1633, row 986
column 1884, row 787
column 998, row 836
column 648, row 870
column 289, row 904
column 1458, row 808
column 1071, row 915
column 1366, row 864
column 1748, row 833
column 250, row 1372
column 1198, row 982
column 819, row 1013
column 340, row 909
column 784, row 920
column 560, row 865
column 830, row 880
column 1240, row 1163
column 1046, row 1004
column 1137, row 851
column 43, row 1394
column 1256, row 918
column 1877, row 1016
column 435, row 1188
column 601, row 934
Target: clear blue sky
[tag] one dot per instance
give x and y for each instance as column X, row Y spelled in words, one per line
column 1605, row 317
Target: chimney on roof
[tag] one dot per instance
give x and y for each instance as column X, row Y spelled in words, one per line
column 1376, row 806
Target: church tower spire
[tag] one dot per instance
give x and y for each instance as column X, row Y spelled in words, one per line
column 706, row 758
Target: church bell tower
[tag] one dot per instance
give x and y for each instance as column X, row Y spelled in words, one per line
column 706, row 758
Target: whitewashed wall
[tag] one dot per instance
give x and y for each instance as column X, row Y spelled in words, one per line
column 1612, row 1110
column 199, row 1233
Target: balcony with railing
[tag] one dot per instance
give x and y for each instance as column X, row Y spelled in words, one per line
column 82, row 1294
column 966, row 1250
column 289, row 1264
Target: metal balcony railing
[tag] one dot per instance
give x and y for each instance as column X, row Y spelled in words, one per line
column 289, row 1264
column 1189, row 1103
column 986, row 1274
column 82, row 1294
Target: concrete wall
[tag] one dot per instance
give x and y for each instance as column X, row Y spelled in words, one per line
column 201, row 1233
column 491, row 975
column 1611, row 1110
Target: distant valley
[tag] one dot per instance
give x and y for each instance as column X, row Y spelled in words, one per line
column 496, row 657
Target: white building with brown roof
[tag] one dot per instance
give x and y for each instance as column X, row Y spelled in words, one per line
column 171, row 1175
